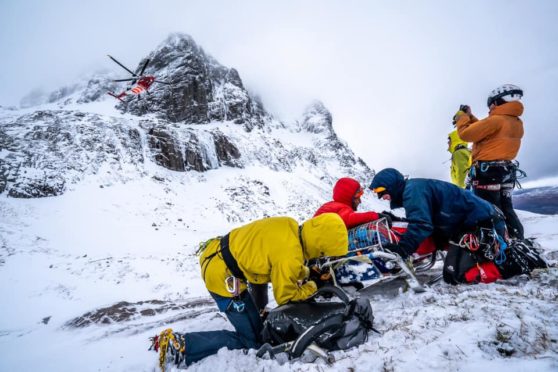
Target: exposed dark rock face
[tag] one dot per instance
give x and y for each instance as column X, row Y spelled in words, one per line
column 194, row 154
column 205, row 120
column 166, row 152
column 202, row 90
column 184, row 150
column 125, row 311
column 227, row 153
column 47, row 149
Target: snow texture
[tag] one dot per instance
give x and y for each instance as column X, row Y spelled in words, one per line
column 107, row 261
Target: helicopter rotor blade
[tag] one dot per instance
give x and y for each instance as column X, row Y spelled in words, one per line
column 161, row 82
column 144, row 66
column 121, row 65
column 129, row 79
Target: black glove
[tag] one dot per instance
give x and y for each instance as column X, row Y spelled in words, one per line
column 393, row 217
column 396, row 248
column 465, row 108
column 321, row 276
column 387, row 217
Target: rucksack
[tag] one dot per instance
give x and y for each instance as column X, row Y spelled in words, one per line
column 330, row 325
column 522, row 258
column 484, row 248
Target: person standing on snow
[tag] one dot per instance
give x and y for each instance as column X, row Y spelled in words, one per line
column 460, row 156
column 269, row 250
column 496, row 142
column 346, row 199
column 444, row 211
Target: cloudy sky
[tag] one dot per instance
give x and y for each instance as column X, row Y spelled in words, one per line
column 392, row 73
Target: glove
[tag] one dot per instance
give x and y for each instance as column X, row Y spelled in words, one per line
column 463, row 110
column 393, row 217
column 320, row 277
column 466, row 109
column 312, row 285
column 306, row 272
column 396, row 248
column 387, row 217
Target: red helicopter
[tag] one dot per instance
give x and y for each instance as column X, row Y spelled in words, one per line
column 142, row 82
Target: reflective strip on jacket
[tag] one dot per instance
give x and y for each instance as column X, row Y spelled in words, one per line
column 269, row 250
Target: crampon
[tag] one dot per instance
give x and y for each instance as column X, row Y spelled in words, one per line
column 171, row 347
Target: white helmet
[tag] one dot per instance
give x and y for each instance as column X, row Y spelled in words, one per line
column 506, row 92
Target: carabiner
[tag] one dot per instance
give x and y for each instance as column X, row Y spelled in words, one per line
column 233, row 285
column 237, row 305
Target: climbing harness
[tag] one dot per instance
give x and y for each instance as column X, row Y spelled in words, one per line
column 469, row 241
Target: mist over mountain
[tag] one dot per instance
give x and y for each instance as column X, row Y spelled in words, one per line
column 103, row 205
column 205, row 120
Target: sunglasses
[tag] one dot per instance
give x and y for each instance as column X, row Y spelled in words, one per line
column 379, row 191
column 359, row 193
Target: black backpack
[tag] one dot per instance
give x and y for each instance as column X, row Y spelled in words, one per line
column 522, row 258
column 330, row 325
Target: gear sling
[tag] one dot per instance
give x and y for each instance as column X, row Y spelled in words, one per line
column 494, row 182
column 232, row 282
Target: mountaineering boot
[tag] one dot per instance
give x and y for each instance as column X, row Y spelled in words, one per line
column 171, row 347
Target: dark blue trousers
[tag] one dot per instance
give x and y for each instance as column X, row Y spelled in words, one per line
column 245, row 318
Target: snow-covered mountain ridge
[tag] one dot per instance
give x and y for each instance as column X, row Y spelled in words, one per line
column 206, row 120
column 89, row 274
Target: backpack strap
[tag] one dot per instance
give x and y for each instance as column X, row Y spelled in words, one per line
column 329, row 289
column 230, row 261
column 312, row 333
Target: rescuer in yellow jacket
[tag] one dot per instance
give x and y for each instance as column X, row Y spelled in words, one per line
column 271, row 250
column 460, row 159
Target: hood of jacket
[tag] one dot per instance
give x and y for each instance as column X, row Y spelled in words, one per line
column 325, row 235
column 344, row 191
column 455, row 141
column 394, row 182
column 514, row 108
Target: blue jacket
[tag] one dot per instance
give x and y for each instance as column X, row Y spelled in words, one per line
column 432, row 207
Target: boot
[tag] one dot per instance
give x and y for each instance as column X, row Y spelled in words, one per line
column 171, row 347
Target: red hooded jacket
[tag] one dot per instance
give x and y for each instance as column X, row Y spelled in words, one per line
column 344, row 193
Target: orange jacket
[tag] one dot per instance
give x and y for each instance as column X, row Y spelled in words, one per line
column 497, row 137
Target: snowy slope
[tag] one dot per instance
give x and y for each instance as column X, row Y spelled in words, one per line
column 93, row 247
column 88, row 275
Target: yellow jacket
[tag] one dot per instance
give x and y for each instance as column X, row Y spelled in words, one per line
column 270, row 250
column 460, row 159
column 497, row 137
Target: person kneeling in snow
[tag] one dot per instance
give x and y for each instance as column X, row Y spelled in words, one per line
column 448, row 213
column 268, row 250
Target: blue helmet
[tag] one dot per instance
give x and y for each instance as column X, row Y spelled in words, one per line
column 392, row 182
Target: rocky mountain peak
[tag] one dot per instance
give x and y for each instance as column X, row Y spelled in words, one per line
column 201, row 90
column 204, row 121
column 317, row 119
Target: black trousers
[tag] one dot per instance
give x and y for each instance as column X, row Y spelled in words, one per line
column 259, row 295
column 495, row 184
